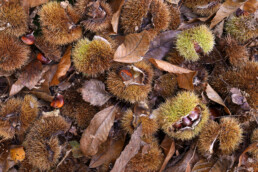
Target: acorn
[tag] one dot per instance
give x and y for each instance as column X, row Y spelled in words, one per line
column 190, row 42
column 242, row 28
column 13, row 18
column 137, row 16
column 42, row 145
column 58, row 101
column 203, row 7
column 131, row 91
column 149, row 158
column 13, row 54
column 166, row 85
column 92, row 57
column 17, row 115
column 59, row 23
column 254, row 138
column 28, row 39
column 182, row 117
column 77, row 109
column 96, row 15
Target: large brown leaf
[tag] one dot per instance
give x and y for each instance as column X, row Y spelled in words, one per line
column 116, row 6
column 130, row 151
column 97, row 132
column 161, row 45
column 62, row 67
column 214, row 96
column 93, row 91
column 225, row 10
column 33, row 3
column 169, row 155
column 185, row 80
column 133, row 49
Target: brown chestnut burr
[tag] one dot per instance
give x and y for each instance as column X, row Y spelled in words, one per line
column 28, row 39
column 186, row 122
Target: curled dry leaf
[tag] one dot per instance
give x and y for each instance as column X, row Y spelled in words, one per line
column 169, row 155
column 116, row 8
column 97, row 132
column 214, row 96
column 227, row 8
column 62, row 67
column 93, row 91
column 133, row 48
column 111, row 151
column 33, row 3
column 249, row 148
column 29, row 77
column 185, row 80
column 17, row 154
column 251, row 6
column 130, row 150
column 214, row 165
column 161, row 45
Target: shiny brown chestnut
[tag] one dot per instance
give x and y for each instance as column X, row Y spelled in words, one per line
column 43, row 59
column 186, row 122
column 125, row 74
column 58, row 101
column 28, row 39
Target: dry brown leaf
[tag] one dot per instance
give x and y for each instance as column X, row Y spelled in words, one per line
column 42, row 95
column 62, row 67
column 166, row 144
column 116, row 8
column 225, row 10
column 133, row 49
column 93, row 91
column 251, row 6
column 17, row 154
column 214, row 96
column 97, row 132
column 173, row 1
column 130, row 151
column 185, row 80
column 111, row 150
column 214, row 165
column 163, row 65
column 253, row 146
column 161, row 45
column 33, row 3
column 169, row 155
column 29, row 77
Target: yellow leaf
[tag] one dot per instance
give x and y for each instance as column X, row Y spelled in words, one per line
column 17, row 154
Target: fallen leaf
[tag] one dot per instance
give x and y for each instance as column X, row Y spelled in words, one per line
column 17, row 154
column 97, row 132
column 29, row 77
column 169, row 155
column 251, row 6
column 185, row 80
column 214, row 165
column 62, row 67
column 42, row 95
column 116, row 8
column 253, row 146
column 33, row 3
column 166, row 144
column 161, row 45
column 173, row 1
column 227, row 8
column 76, row 149
column 130, row 151
column 93, row 91
column 133, row 48
column 166, row 66
column 111, row 150
column 214, row 96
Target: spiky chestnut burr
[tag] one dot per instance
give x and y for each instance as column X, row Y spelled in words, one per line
column 193, row 41
column 42, row 144
column 149, row 158
column 96, row 15
column 203, row 7
column 182, row 117
column 59, row 23
column 254, row 138
column 243, row 78
column 173, row 57
column 17, row 115
column 242, row 28
column 228, row 135
column 166, row 85
column 140, row 114
column 119, row 79
column 14, row 54
column 92, row 57
column 144, row 15
column 174, row 17
column 13, row 18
